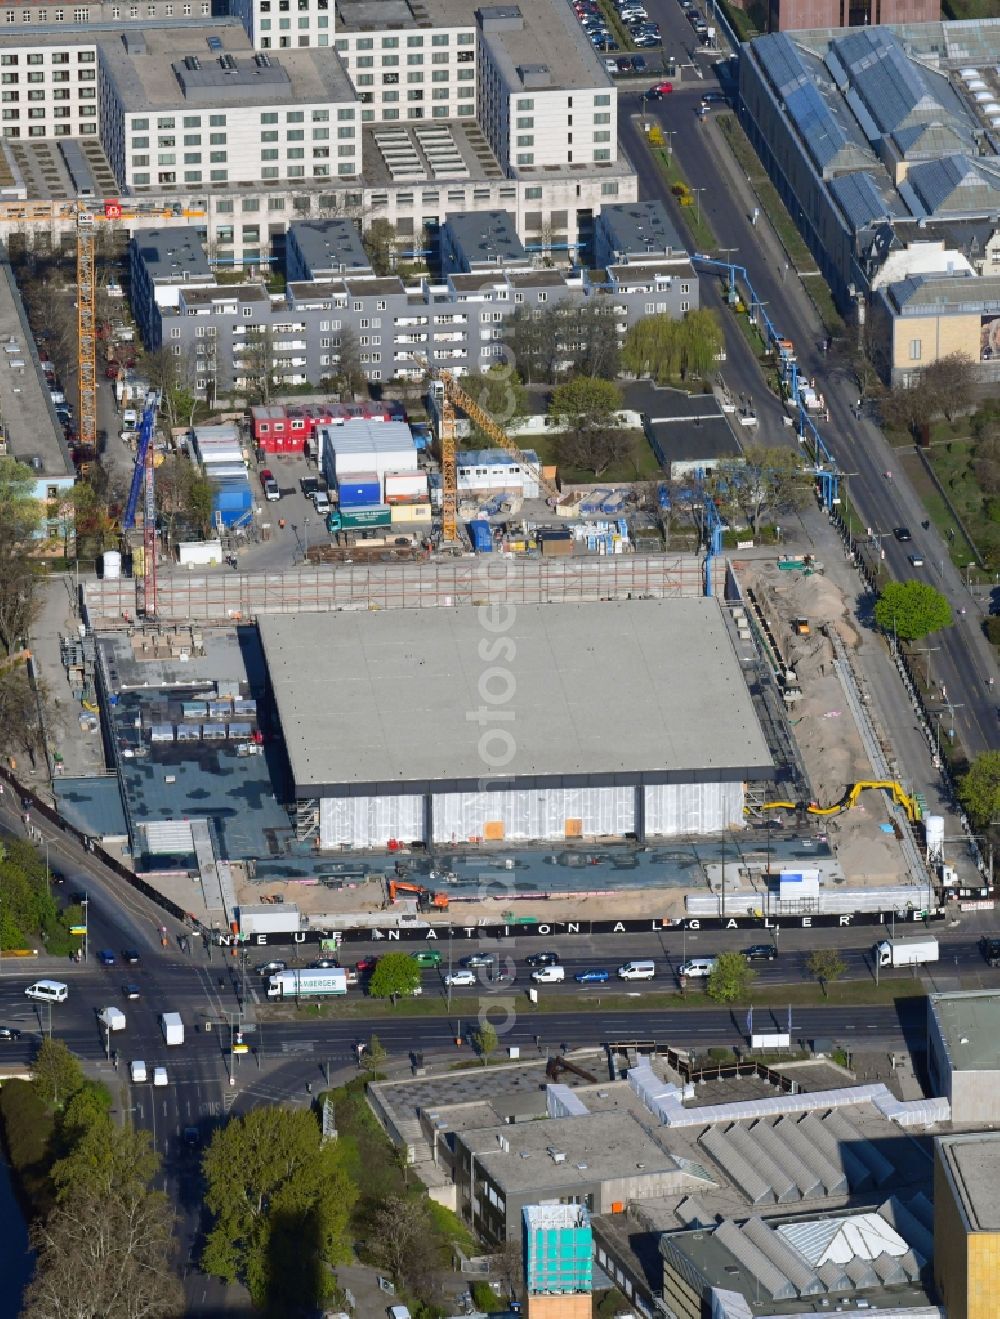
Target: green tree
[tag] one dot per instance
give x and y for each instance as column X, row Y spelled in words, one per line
column 670, row 350
column 500, row 393
column 174, row 376
column 765, row 481
column 826, row 965
column 281, row 1205
column 979, row 790
column 57, row 1074
column 373, row 1055
column 587, row 409
column 911, row 610
column 21, row 521
column 486, row 1041
column 532, row 338
column 731, row 979
column 380, row 242
column 350, row 378
column 27, row 908
column 395, row 974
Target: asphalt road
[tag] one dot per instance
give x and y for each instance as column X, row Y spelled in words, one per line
column 963, row 662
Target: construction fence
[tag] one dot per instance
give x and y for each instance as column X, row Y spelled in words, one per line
column 223, row 597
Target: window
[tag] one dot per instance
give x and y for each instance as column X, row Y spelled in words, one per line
column 543, row 297
column 34, row 59
column 270, row 118
column 602, row 135
column 190, row 140
column 192, row 158
column 295, row 117
column 602, row 153
column 390, row 43
column 526, row 140
column 439, row 39
column 321, row 116
column 216, row 121
column 685, row 288
column 192, row 176
column 915, row 350
column 526, row 123
column 140, row 125
column 296, row 135
column 525, row 158
column 270, row 135
column 525, row 104
column 439, row 57
column 414, row 59
column 165, row 123
column 216, row 139
column 219, row 175
column 414, row 42
column 685, row 306
column 602, row 119
column 607, row 190
column 602, row 100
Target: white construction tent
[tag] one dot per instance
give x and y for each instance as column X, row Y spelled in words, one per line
column 540, row 723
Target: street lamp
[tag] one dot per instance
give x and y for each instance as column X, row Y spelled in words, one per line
column 697, row 195
column 85, row 904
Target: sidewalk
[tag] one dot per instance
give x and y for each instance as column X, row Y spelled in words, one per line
column 81, row 752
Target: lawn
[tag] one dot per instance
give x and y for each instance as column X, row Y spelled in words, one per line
column 465, row 1007
column 640, row 465
column 937, row 510
column 692, row 217
column 953, row 466
column 783, row 224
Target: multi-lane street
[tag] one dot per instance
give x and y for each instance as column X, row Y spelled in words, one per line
column 963, row 662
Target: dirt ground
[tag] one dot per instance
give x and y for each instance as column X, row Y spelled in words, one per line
column 369, row 898
column 823, row 727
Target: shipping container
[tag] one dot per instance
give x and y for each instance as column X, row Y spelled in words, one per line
column 405, row 485
column 190, row 553
column 380, row 515
column 360, row 490
column 269, row 920
column 404, row 514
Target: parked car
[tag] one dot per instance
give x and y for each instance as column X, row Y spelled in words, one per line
column 990, row 948
column 542, row 959
column 460, row 978
column 638, row 64
column 159, row 1076
column 597, row 976
column 760, row 952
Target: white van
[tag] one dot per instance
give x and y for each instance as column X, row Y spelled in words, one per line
column 549, row 975
column 637, row 971
column 137, row 1071
column 48, row 991
column 698, row 968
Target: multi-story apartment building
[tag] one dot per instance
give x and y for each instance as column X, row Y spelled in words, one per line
column 226, row 334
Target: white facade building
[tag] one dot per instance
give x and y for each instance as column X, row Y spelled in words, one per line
column 200, row 112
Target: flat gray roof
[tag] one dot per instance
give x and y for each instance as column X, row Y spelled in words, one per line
column 34, row 436
column 613, row 692
column 974, row 1164
column 486, row 236
column 641, row 228
column 330, row 246
column 609, row 1145
column 150, row 80
column 172, row 254
column 970, row 1027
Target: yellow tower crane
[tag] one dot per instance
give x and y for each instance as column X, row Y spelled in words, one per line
column 88, row 214
column 455, row 396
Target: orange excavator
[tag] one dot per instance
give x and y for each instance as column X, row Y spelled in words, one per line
column 425, row 897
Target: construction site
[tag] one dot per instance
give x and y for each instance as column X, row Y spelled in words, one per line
column 216, row 725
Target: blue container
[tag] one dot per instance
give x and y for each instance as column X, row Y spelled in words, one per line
column 360, row 493
column 231, row 499
column 481, row 535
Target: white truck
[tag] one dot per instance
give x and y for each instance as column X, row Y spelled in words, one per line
column 313, row 983
column 112, row 1018
column 172, row 1027
column 270, row 920
column 907, row 952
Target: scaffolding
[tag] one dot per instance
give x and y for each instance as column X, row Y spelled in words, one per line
column 221, row 599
